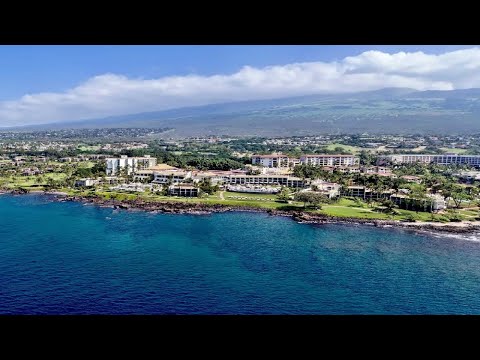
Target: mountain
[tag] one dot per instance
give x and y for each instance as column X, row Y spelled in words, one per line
column 390, row 110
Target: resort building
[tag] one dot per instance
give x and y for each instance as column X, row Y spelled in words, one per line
column 434, row 202
column 202, row 175
column 85, row 182
column 283, row 161
column 444, row 159
column 365, row 193
column 465, row 176
column 327, row 188
column 175, row 176
column 143, row 175
column 161, row 167
column 342, row 169
column 284, row 180
column 375, row 170
column 330, row 160
column 412, row 178
column 271, row 161
column 183, row 190
column 116, row 165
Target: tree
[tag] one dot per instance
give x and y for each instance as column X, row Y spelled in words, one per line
column 312, row 198
column 206, row 186
column 419, row 195
column 456, row 193
column 366, row 158
column 389, row 206
column 284, row 195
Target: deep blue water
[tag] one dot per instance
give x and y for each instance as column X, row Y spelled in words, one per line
column 70, row 258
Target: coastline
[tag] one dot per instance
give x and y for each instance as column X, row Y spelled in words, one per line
column 171, row 207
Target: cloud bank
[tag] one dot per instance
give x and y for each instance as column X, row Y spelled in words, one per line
column 113, row 94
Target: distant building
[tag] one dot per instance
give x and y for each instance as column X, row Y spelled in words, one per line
column 116, row 165
column 183, row 190
column 31, row 172
column 271, row 161
column 466, row 176
column 412, row 178
column 85, row 182
column 283, row 161
column 330, row 160
column 375, row 170
column 444, row 159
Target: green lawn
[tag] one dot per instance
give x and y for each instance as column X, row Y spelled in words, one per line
column 86, row 164
column 454, row 150
column 353, row 149
column 351, row 212
column 89, row 147
column 235, row 195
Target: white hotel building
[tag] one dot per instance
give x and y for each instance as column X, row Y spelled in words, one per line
column 116, row 165
column 271, row 161
column 444, row 159
column 283, row 161
column 330, row 160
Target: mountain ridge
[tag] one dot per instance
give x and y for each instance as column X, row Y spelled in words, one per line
column 396, row 110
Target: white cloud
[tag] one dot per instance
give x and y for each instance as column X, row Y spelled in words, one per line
column 112, row 94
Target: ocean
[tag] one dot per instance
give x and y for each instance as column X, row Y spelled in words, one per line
column 71, row 258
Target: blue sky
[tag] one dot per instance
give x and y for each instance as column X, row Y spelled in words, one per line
column 41, row 84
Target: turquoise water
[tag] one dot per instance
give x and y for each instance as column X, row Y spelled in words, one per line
column 70, row 258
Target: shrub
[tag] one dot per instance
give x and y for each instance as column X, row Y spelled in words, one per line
column 411, row 218
column 455, row 218
column 441, row 218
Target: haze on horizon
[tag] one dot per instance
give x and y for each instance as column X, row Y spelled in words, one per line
column 112, row 92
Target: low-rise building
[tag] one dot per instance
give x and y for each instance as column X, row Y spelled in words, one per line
column 468, row 176
column 183, row 190
column 365, row 193
column 202, row 175
column 143, row 175
column 375, row 170
column 412, row 178
column 85, row 182
column 175, row 176
column 433, row 202
column 327, row 188
column 285, row 180
column 31, row 172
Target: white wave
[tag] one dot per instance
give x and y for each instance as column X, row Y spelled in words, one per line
column 465, row 237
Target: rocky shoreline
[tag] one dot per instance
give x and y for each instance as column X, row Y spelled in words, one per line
column 172, row 207
column 303, row 217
